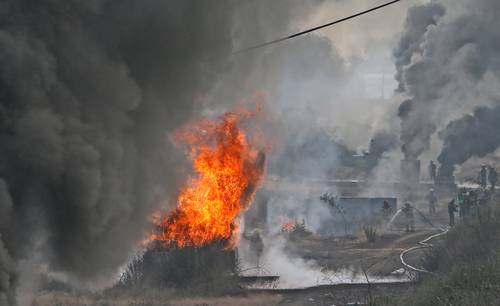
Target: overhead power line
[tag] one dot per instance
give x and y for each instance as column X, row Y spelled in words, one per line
column 316, row 28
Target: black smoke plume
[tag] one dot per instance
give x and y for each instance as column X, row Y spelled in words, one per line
column 383, row 141
column 447, row 63
column 415, row 133
column 474, row 135
column 88, row 92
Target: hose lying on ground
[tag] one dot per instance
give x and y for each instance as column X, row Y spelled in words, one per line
column 424, row 244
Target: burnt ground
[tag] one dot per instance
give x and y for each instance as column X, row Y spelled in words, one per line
column 378, row 258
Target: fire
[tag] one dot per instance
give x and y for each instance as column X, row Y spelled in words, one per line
column 288, row 227
column 228, row 170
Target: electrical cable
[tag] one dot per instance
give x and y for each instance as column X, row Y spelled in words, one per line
column 317, row 27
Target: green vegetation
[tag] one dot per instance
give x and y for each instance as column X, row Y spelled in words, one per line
column 466, row 264
column 300, row 230
column 370, row 233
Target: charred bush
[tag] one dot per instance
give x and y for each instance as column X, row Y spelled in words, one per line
column 207, row 270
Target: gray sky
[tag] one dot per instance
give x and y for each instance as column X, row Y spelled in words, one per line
column 367, row 41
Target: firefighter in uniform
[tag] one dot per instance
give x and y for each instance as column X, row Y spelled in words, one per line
column 482, row 177
column 432, row 171
column 452, row 208
column 431, row 197
column 493, row 177
column 409, row 217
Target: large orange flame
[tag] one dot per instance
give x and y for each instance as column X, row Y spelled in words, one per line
column 228, row 171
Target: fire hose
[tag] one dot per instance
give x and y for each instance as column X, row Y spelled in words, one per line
column 424, row 244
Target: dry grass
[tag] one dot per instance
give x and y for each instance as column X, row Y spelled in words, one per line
column 65, row 299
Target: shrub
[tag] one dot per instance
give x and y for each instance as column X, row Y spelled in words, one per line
column 207, row 270
column 300, row 230
column 370, row 233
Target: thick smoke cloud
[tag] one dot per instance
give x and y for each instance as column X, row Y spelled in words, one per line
column 88, row 92
column 415, row 134
column 314, row 104
column 382, row 142
column 447, row 66
column 84, row 121
column 309, row 154
column 474, row 135
column 418, row 21
column 8, row 279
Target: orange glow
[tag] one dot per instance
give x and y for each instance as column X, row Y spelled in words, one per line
column 288, row 227
column 228, row 170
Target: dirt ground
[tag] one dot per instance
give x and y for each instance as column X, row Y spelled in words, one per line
column 65, row 299
column 379, row 258
column 343, row 294
column 319, row 296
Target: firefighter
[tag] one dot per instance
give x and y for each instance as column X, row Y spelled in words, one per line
column 461, row 203
column 386, row 211
column 467, row 204
column 452, row 208
column 493, row 177
column 409, row 217
column 482, row 177
column 256, row 244
column 474, row 198
column 432, row 171
column 483, row 197
column 431, row 197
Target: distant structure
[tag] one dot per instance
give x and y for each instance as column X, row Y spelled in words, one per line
column 445, row 181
